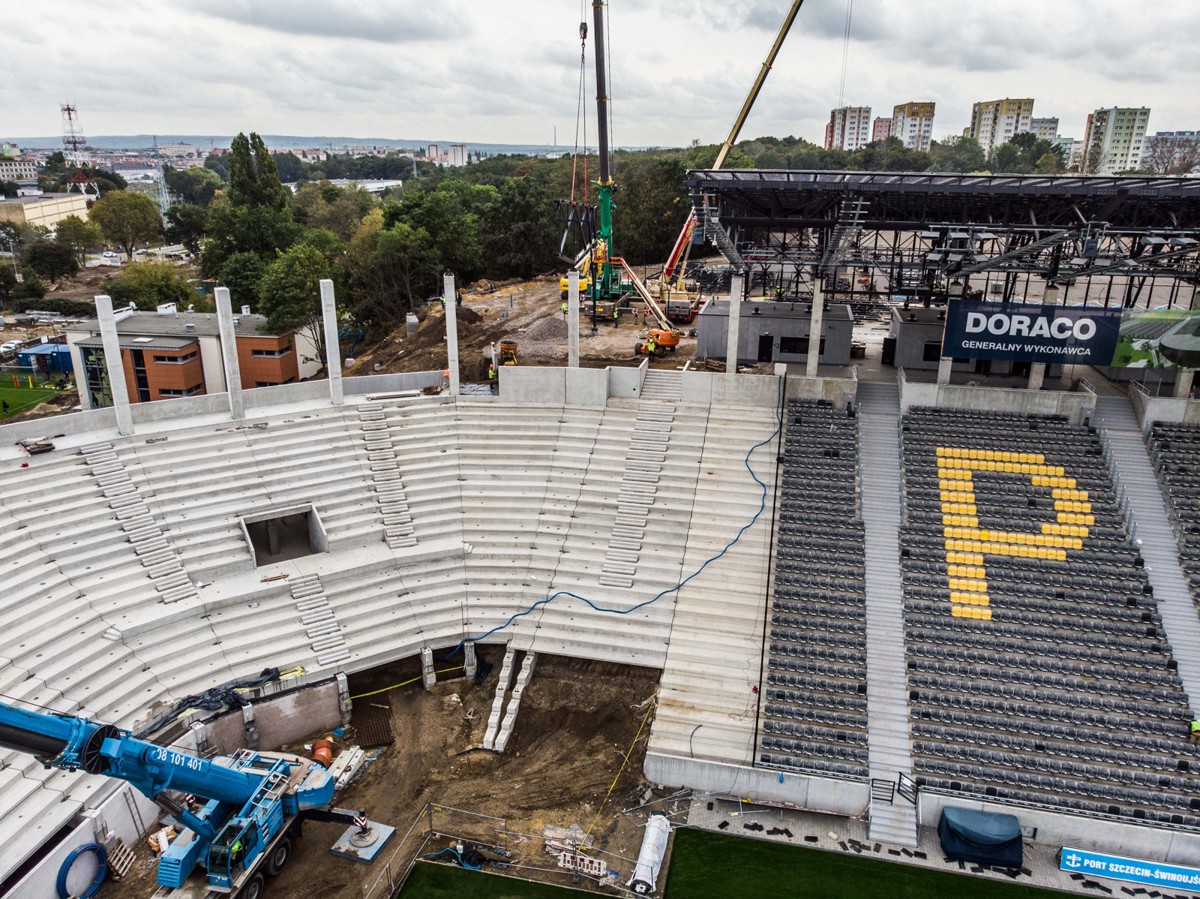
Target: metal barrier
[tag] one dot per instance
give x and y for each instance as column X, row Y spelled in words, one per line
column 906, row 787
column 883, row 790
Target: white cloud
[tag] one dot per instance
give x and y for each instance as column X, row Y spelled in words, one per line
column 509, row 73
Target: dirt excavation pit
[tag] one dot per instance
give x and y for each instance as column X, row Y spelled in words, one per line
column 576, row 722
column 529, row 312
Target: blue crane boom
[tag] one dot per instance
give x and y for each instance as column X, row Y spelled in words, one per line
column 252, row 799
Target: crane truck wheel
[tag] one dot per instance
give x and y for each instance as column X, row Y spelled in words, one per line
column 638, row 348
column 279, row 857
column 254, row 888
column 563, row 294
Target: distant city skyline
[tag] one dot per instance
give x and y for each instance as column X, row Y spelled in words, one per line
column 509, row 75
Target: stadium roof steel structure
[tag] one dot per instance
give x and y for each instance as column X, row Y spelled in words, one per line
column 921, row 228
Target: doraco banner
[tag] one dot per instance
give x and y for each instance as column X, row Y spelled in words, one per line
column 1120, row 338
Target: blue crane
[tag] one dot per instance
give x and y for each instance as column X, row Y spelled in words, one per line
column 239, row 812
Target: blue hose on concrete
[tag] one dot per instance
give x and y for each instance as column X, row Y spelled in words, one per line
column 762, row 505
column 101, row 872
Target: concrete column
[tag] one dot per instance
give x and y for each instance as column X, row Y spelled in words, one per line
column 944, row 370
column 114, row 364
column 1183, row 384
column 572, row 320
column 814, row 329
column 85, row 396
column 233, row 371
column 1037, row 375
column 736, row 288
column 1037, row 371
column 333, row 350
column 452, row 332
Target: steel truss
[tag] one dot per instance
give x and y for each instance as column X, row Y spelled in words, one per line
column 930, row 236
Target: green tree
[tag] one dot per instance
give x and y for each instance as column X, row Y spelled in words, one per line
column 242, row 273
column 289, row 292
column 956, row 154
column 52, row 260
column 150, row 284
column 1050, row 164
column 520, row 234
column 79, row 235
column 195, row 186
column 9, row 188
column 253, row 178
column 289, row 167
column 185, row 225
column 127, row 219
column 232, row 229
column 8, row 284
column 325, row 205
column 219, row 163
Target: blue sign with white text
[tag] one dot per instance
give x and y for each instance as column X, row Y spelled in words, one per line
column 1096, row 864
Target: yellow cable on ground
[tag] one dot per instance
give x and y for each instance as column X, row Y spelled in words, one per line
column 624, row 762
column 406, row 683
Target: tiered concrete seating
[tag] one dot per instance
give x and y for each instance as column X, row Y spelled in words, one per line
column 425, row 435
column 1176, row 452
column 707, row 704
column 197, row 483
column 568, row 626
column 814, row 718
column 1038, row 668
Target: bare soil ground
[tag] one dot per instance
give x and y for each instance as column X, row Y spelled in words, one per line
column 525, row 311
column 576, row 722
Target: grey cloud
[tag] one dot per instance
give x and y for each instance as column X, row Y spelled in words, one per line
column 367, row 20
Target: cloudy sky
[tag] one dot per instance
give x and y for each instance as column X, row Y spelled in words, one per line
column 507, row 72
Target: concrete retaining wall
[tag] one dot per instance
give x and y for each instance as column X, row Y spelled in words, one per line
column 1163, row 408
column 586, row 386
column 838, row 797
column 524, row 384
column 835, row 390
column 1075, row 406
column 1138, row 841
column 280, row 720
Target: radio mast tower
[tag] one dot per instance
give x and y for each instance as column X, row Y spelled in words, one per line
column 73, row 139
column 73, row 152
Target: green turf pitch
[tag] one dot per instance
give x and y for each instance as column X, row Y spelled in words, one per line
column 19, row 398
column 433, row 881
column 706, row 865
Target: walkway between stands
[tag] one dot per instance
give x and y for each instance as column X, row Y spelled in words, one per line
column 1115, row 417
column 893, row 818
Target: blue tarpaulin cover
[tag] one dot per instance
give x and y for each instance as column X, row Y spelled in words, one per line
column 985, row 838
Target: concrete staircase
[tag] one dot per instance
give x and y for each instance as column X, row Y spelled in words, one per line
column 157, row 555
column 889, row 751
column 665, row 386
column 385, row 477
column 503, row 717
column 1155, row 538
column 319, row 619
column 643, row 466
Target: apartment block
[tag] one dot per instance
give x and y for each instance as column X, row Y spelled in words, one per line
column 1044, row 128
column 848, row 128
column 913, row 124
column 1113, row 139
column 996, row 122
column 881, row 129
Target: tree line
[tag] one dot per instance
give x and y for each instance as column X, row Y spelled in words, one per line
column 386, row 254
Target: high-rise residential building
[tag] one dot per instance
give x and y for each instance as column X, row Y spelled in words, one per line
column 458, row 155
column 881, row 129
column 849, row 128
column 913, row 124
column 996, row 122
column 1113, row 139
column 1075, row 155
column 1045, row 128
